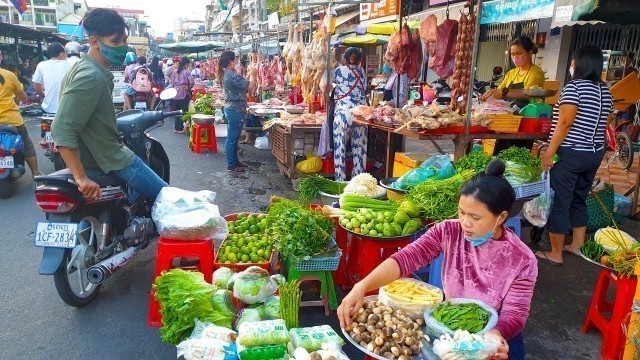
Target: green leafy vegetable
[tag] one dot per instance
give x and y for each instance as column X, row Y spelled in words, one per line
column 297, row 230
column 518, row 174
column 438, row 199
column 592, row 250
column 311, row 185
column 184, row 296
column 470, row 317
column 520, row 156
column 476, row 161
column 203, row 104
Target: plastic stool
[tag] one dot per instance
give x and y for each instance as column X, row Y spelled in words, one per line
column 208, row 143
column 170, row 249
column 196, row 92
column 370, row 253
column 613, row 337
column 341, row 237
column 327, row 288
column 515, row 224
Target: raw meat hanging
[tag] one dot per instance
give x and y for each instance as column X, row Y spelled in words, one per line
column 445, row 48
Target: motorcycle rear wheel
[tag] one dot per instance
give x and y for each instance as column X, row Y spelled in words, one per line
column 75, row 264
column 7, row 188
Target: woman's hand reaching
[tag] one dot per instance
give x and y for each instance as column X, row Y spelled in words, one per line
column 494, row 93
column 350, row 305
column 503, row 350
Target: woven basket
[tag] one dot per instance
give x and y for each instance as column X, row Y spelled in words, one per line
column 505, row 123
column 599, row 217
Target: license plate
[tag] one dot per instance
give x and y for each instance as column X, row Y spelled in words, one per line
column 60, row 235
column 6, row 162
column 48, row 137
column 141, row 105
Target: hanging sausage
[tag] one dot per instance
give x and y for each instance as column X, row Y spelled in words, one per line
column 461, row 82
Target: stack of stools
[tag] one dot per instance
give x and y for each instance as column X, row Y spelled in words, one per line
column 327, row 289
column 203, row 137
column 613, row 338
column 171, row 249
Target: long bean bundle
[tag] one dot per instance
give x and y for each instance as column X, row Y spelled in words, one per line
column 438, row 199
column 290, row 296
column 311, row 185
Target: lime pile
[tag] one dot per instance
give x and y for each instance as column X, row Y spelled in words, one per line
column 247, row 241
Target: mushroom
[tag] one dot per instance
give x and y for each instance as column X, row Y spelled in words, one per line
column 395, row 351
column 359, row 329
column 415, row 349
column 410, row 341
column 420, row 321
column 371, row 346
column 315, row 356
column 373, row 318
column 387, row 332
column 365, row 337
column 362, row 318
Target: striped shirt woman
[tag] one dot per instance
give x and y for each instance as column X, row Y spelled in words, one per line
column 594, row 102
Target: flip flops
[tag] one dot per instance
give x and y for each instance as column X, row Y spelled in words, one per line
column 546, row 259
column 564, row 248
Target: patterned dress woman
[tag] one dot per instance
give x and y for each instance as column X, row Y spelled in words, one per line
column 351, row 84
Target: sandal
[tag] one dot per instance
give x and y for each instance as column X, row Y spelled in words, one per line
column 237, row 169
column 565, row 249
column 546, row 259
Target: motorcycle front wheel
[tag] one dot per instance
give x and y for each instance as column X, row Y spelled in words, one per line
column 72, row 283
column 7, row 188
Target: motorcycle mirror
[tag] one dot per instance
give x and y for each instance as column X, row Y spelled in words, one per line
column 168, row 94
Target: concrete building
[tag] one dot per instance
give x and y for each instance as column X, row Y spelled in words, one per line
column 41, row 14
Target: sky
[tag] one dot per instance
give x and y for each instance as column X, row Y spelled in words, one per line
column 161, row 14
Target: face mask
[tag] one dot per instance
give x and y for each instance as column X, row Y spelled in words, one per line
column 483, row 239
column 114, row 54
column 519, row 61
column 571, row 70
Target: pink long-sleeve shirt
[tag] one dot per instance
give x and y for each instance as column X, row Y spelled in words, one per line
column 501, row 272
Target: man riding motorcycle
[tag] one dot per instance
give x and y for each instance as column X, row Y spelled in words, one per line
column 85, row 129
column 73, row 49
column 140, row 94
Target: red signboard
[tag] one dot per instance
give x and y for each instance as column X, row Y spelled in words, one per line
column 378, row 10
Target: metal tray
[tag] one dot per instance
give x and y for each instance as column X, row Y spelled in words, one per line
column 386, row 183
column 595, row 262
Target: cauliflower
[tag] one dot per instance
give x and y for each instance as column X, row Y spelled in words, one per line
column 363, row 184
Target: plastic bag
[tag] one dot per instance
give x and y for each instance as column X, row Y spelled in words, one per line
column 412, row 310
column 247, row 315
column 622, row 205
column 262, row 143
column 269, row 309
column 312, row 165
column 262, row 352
column 436, row 328
column 436, row 167
column 224, row 303
column 312, row 338
column 464, row 345
column 188, row 215
column 518, row 174
column 222, row 277
column 209, row 342
column 254, row 285
column 263, row 333
column 537, row 211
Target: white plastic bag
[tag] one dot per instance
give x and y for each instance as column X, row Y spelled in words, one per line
column 412, row 310
column 209, row 342
column 465, row 346
column 436, row 328
column 262, row 143
column 254, row 285
column 537, row 211
column 188, row 215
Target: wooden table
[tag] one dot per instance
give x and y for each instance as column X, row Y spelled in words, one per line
column 461, row 141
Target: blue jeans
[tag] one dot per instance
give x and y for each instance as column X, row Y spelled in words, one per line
column 235, row 121
column 141, row 179
column 516, row 347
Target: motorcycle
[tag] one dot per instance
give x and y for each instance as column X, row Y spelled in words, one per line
column 86, row 240
column 11, row 160
column 48, row 145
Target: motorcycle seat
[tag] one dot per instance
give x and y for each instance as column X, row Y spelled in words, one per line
column 102, row 179
column 9, row 129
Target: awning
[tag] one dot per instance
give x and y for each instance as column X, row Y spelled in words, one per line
column 346, row 17
column 192, row 46
column 365, row 40
column 389, row 28
column 580, row 12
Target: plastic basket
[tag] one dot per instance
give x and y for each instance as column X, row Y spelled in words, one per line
column 241, row 267
column 530, row 189
column 505, row 123
column 329, row 263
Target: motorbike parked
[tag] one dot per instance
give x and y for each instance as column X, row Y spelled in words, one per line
column 48, row 145
column 86, row 240
column 11, row 160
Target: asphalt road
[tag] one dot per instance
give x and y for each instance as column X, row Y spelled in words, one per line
column 36, row 324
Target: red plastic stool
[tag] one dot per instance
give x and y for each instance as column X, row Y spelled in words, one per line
column 170, row 249
column 367, row 253
column 210, row 143
column 613, row 338
column 196, row 92
column 341, row 237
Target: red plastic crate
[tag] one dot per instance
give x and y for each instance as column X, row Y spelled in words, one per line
column 530, row 126
column 241, row 267
column 546, row 125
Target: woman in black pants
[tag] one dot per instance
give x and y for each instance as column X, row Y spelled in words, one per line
column 577, row 138
column 182, row 81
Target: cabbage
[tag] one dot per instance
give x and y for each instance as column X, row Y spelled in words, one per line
column 223, row 303
column 247, row 315
column 254, row 285
column 222, row 277
column 272, row 307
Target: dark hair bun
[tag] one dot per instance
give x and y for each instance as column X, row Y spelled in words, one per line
column 495, row 168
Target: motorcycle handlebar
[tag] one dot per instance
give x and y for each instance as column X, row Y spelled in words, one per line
column 172, row 113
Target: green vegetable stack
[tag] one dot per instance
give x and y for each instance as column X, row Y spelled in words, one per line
column 290, row 295
column 476, row 161
column 311, row 185
column 520, row 156
column 438, row 199
column 203, row 105
column 247, row 241
column 592, row 250
column 470, row 317
column 297, row 231
column 387, row 224
column 184, row 296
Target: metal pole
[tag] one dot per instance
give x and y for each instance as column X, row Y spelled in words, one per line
column 240, row 30
column 474, row 58
column 397, row 72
